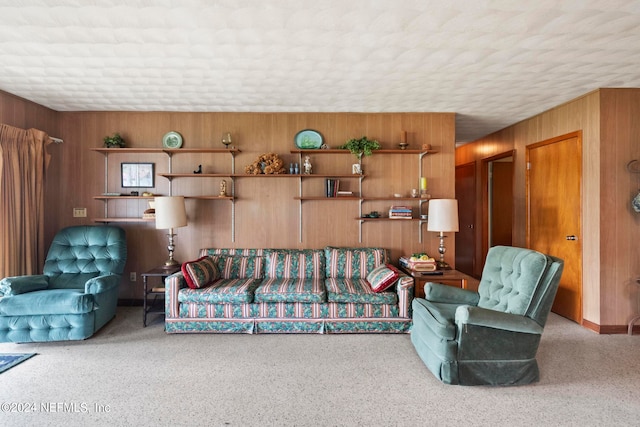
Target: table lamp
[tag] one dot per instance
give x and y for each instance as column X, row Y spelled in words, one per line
column 443, row 217
column 170, row 214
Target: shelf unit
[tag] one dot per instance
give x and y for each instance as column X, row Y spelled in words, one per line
column 170, row 176
column 361, row 199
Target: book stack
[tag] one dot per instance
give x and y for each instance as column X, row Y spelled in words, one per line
column 400, row 212
column 332, row 185
column 418, row 263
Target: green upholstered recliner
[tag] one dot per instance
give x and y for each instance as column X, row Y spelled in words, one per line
column 491, row 336
column 75, row 296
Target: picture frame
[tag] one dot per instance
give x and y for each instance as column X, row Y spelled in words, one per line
column 137, row 175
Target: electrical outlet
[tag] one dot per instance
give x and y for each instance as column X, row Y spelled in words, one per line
column 79, row 212
column 132, row 276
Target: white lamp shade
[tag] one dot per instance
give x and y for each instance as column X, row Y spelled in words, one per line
column 170, row 212
column 443, row 215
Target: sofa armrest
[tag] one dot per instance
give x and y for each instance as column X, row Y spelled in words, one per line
column 437, row 292
column 101, row 284
column 22, row 284
column 172, row 286
column 468, row 315
column 404, row 288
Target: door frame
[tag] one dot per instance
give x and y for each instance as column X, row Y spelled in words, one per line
column 578, row 136
column 485, row 197
column 474, row 233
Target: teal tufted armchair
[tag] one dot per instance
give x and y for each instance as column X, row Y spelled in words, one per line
column 491, row 336
column 77, row 293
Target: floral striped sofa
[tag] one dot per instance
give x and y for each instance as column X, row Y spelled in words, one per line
column 290, row 291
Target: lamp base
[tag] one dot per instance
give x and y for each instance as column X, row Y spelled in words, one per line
column 170, row 263
column 441, row 265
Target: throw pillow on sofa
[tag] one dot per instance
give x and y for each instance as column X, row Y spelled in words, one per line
column 200, row 273
column 382, row 277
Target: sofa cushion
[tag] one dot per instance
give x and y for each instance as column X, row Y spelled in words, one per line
column 291, row 290
column 383, row 277
column 232, row 291
column 200, row 273
column 353, row 263
column 294, row 263
column 50, row 301
column 239, row 267
column 356, row 290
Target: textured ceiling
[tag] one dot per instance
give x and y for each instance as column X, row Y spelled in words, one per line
column 493, row 62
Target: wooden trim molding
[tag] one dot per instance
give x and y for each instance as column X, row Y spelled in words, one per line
column 609, row 329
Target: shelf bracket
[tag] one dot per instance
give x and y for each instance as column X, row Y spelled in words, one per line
column 170, row 171
column 300, row 202
column 106, row 183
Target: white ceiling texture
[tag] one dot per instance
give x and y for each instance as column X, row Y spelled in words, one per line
column 493, row 62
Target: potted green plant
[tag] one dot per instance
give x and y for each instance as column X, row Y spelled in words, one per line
column 115, row 141
column 361, row 146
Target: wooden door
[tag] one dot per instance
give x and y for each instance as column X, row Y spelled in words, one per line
column 465, row 238
column 554, row 226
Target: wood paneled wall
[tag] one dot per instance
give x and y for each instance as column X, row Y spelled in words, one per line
column 610, row 229
column 266, row 213
column 20, row 113
column 619, row 223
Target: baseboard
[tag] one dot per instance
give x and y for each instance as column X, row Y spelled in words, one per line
column 609, row 329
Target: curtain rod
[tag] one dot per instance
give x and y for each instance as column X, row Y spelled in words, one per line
column 56, row 140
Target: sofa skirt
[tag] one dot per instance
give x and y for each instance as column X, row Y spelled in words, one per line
column 288, row 325
column 288, row 318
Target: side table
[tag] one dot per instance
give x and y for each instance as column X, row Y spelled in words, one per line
column 448, row 277
column 161, row 273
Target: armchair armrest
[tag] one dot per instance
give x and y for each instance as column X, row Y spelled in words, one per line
column 102, row 284
column 468, row 315
column 404, row 287
column 437, row 292
column 172, row 286
column 22, row 284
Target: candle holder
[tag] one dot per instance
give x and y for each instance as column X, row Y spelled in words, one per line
column 423, row 188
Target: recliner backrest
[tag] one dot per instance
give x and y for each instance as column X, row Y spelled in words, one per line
column 511, row 278
column 80, row 253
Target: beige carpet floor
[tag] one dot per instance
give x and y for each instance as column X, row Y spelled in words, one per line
column 130, row 375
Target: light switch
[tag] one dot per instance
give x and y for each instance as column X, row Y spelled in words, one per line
column 79, row 212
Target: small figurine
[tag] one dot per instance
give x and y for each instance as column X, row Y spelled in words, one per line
column 223, row 188
column 307, row 165
column 199, row 170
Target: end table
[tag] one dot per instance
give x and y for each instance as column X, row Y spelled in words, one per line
column 447, row 277
column 162, row 273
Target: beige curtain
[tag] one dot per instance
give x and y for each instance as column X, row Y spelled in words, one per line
column 23, row 162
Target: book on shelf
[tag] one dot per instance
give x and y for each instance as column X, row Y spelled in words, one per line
column 400, row 212
column 332, row 187
column 345, row 193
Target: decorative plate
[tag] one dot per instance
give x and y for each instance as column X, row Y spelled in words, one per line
column 172, row 140
column 308, row 139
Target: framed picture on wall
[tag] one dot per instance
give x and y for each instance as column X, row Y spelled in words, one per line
column 138, row 175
